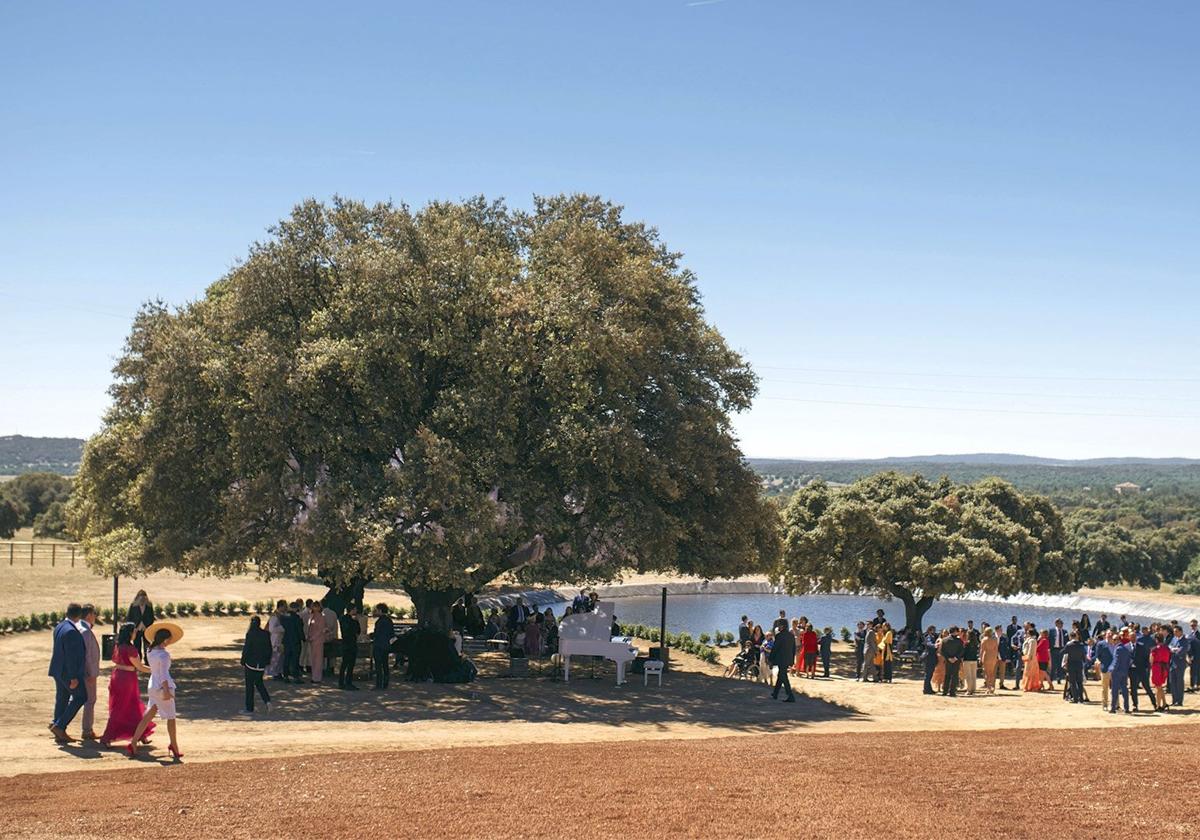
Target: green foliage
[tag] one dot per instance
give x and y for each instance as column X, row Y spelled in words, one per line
column 35, row 622
column 705, row 638
column 431, row 399
column 169, row 609
column 106, row 614
column 34, row 493
column 51, row 523
column 5, row 625
column 206, row 608
column 903, row 536
column 11, row 516
column 20, row 624
column 846, row 634
column 244, row 607
column 219, row 608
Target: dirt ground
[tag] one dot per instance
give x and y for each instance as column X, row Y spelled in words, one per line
column 869, row 785
column 693, row 702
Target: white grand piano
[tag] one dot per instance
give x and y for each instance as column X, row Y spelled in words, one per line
column 590, row 634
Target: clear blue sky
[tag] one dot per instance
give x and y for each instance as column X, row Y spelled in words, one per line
column 930, row 226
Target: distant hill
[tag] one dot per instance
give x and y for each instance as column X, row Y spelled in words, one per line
column 20, row 454
column 1095, row 476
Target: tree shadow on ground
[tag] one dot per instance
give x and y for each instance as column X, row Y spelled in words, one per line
column 214, row 690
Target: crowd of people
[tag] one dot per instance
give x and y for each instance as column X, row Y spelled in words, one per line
column 141, row 647
column 1161, row 659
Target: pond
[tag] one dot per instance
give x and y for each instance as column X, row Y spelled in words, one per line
column 698, row 614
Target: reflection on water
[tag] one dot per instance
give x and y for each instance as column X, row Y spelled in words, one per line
column 697, row 614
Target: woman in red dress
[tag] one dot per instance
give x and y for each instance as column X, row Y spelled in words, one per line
column 125, row 709
column 1160, row 668
column 1043, row 657
column 809, row 643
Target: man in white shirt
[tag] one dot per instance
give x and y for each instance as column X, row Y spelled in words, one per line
column 91, row 670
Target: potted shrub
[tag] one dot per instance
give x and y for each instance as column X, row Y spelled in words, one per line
column 206, row 608
column 245, row 607
column 5, row 625
column 219, row 608
column 846, row 634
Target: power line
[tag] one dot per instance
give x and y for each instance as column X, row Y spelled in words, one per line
column 985, row 410
column 862, row 372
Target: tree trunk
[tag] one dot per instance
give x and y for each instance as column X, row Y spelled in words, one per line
column 914, row 608
column 338, row 598
column 432, row 606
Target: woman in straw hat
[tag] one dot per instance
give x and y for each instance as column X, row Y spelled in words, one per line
column 161, row 690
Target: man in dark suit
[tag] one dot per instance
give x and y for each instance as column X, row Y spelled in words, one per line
column 293, row 641
column 952, row 652
column 1058, row 640
column 1075, row 653
column 744, row 633
column 1101, row 627
column 381, row 645
column 518, row 613
column 349, row 627
column 1195, row 670
column 929, row 657
column 860, row 640
column 1139, row 669
column 783, row 656
column 67, row 663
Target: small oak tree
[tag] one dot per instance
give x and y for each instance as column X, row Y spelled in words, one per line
column 903, row 536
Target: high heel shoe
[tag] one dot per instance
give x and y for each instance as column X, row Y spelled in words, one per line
column 175, row 751
column 131, row 748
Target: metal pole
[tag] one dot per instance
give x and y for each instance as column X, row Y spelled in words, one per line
column 31, row 554
column 53, row 553
column 115, row 606
column 72, row 557
column 662, row 629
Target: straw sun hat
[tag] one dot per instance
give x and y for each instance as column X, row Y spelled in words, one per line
column 175, row 630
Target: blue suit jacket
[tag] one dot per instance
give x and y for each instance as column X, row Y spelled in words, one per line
column 66, row 662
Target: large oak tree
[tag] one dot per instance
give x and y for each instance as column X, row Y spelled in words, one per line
column 431, row 399
column 906, row 537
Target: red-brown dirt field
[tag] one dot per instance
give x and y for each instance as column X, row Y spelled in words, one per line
column 1079, row 783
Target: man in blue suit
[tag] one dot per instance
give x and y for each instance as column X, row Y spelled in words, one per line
column 1195, row 670
column 67, row 669
column 1121, row 664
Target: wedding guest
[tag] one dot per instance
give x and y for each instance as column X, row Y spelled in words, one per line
column 883, row 649
column 939, row 670
column 141, row 615
column 1181, row 648
column 1102, row 627
column 91, row 671
column 783, row 654
column 533, row 634
column 314, row 634
column 1044, row 654
column 811, row 645
column 952, row 651
column 256, row 656
column 125, row 709
column 275, row 626
column 1074, row 654
column 549, row 632
column 1160, row 668
column 381, row 646
column 1085, row 628
column 1104, row 661
column 67, row 668
column 293, row 642
column 1029, row 660
column 929, row 658
column 970, row 660
column 1005, row 652
column 1139, row 670
column 1195, row 654
column 825, row 650
column 1122, row 660
column 989, row 654
column 161, row 689
column 331, row 635
column 870, row 656
column 860, row 635
column 350, row 627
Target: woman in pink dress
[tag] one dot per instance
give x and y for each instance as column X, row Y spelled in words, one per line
column 125, row 709
column 314, row 631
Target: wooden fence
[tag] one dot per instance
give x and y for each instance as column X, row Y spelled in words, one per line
column 18, row 552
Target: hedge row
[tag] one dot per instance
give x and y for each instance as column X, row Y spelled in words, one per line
column 683, row 641
column 172, row 609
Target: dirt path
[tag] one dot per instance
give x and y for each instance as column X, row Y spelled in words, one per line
column 959, row 784
column 694, row 702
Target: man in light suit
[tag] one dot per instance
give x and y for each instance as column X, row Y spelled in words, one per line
column 67, row 668
column 91, row 671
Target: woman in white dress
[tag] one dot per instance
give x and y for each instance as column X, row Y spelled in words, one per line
column 275, row 627
column 161, row 689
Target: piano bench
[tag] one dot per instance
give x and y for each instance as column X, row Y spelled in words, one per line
column 652, row 666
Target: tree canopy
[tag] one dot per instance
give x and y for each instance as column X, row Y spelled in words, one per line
column 431, row 398
column 916, row 540
column 32, row 494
